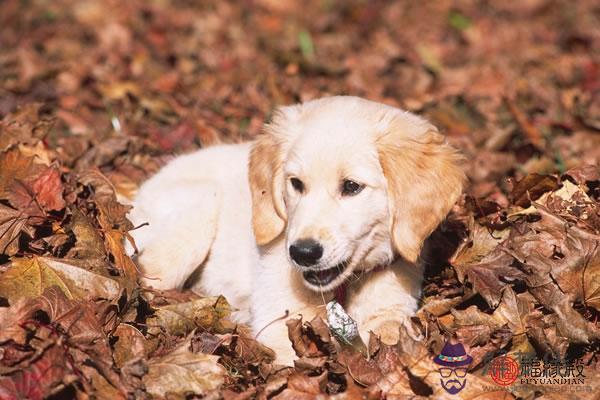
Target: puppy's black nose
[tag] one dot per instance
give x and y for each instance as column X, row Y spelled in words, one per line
column 306, row 252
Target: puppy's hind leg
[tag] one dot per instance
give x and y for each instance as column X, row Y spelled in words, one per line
column 182, row 222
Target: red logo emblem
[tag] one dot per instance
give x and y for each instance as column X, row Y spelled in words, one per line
column 504, row 370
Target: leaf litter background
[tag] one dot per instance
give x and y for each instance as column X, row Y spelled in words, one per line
column 96, row 95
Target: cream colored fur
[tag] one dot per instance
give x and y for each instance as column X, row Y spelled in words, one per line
column 232, row 212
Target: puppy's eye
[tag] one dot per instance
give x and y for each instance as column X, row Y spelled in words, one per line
column 350, row 188
column 297, row 184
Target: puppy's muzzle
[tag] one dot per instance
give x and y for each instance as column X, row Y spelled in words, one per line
column 306, row 252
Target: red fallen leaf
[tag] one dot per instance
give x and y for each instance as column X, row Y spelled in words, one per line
column 28, row 186
column 48, row 190
column 178, row 138
column 11, row 320
column 45, row 376
column 15, row 168
column 167, row 83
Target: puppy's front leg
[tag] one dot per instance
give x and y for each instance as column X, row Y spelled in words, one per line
column 276, row 338
column 278, row 296
column 386, row 300
column 181, row 220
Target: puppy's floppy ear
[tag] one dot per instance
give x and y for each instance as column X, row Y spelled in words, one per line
column 266, row 185
column 424, row 181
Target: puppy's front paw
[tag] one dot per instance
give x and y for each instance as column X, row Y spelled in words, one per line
column 387, row 330
column 276, row 338
column 160, row 270
column 387, row 325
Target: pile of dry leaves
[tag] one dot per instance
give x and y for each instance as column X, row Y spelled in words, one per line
column 96, row 95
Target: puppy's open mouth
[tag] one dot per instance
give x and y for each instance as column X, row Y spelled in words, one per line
column 325, row 276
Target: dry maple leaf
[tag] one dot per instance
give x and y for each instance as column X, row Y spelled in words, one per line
column 15, row 170
column 485, row 263
column 48, row 190
column 552, row 248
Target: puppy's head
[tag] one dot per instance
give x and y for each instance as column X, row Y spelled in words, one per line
column 349, row 184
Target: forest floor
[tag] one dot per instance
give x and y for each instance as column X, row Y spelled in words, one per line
column 95, row 96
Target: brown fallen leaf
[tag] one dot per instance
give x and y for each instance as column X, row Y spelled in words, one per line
column 15, row 171
column 29, row 277
column 112, row 213
column 47, row 375
column 308, row 341
column 112, row 218
column 80, row 329
column 300, row 386
column 12, row 321
column 130, row 345
column 485, row 263
column 25, row 125
column 532, row 187
column 182, row 372
column 419, row 362
column 552, row 249
column 182, row 318
column 89, row 245
column 532, row 133
column 249, row 350
column 12, row 222
column 364, row 372
column 584, row 174
column 131, row 84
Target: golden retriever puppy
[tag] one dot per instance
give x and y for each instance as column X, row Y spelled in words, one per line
column 334, row 200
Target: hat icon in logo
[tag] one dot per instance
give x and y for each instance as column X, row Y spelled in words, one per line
column 453, row 362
